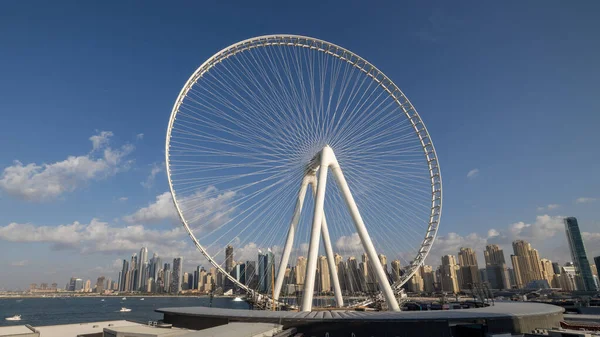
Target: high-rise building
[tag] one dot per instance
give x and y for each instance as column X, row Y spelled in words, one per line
column 395, row 270
column 265, row 270
column 579, row 255
column 597, row 263
column 124, row 270
column 368, row 274
column 428, row 278
column 177, row 275
column 526, row 263
column 340, row 267
column 496, row 271
column 383, row 261
column 71, row 286
column 300, row 270
column 547, row 270
column 251, row 277
column 142, row 265
column 100, row 285
column 88, row 286
column 228, row 259
column 467, row 260
column 354, row 276
column 449, row 280
column 556, row 268
column 415, row 284
column 78, row 284
column 324, row 283
column 568, row 278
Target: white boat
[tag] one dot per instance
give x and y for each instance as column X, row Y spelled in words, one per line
column 123, row 309
column 124, row 298
column 141, row 299
column 14, row 318
column 102, row 300
column 238, row 299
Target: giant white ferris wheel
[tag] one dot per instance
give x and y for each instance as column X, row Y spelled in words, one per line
column 278, row 143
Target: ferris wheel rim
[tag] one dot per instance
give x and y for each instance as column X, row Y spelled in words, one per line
column 382, row 80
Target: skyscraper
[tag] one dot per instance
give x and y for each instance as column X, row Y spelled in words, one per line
column 580, row 260
column 428, row 278
column 262, row 268
column 251, row 277
column 177, row 275
column 354, row 276
column 496, row 271
column 300, row 270
column 325, row 277
column 547, row 271
column 395, row 270
column 88, row 286
column 100, row 285
column 228, row 259
column 597, row 263
column 467, row 260
column 141, row 266
column 124, row 270
column 526, row 263
column 448, row 274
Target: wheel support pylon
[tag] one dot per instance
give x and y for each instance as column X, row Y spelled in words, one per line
column 322, row 162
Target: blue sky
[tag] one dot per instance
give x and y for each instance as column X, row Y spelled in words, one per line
column 507, row 89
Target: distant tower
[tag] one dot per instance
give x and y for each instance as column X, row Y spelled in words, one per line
column 324, row 273
column 262, row 268
column 580, row 260
column 495, row 268
column 396, row 270
column 467, row 260
column 228, row 259
column 300, row 270
column 448, row 274
column 142, row 266
column 526, row 263
column 177, row 275
column 124, row 270
column 88, row 286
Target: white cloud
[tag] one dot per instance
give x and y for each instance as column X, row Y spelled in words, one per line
column 584, row 200
column 123, row 199
column 101, row 140
column 548, row 207
column 139, row 136
column 97, row 236
column 350, row 243
column 473, row 173
column 161, row 209
column 592, row 244
column 21, row 263
column 43, row 182
column 156, row 169
column 205, row 208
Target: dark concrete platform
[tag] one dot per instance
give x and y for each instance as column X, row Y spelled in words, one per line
column 503, row 317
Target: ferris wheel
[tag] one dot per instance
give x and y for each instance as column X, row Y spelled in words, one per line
column 299, row 169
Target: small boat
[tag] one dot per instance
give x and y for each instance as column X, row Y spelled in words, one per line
column 238, row 299
column 102, row 300
column 124, row 298
column 141, row 299
column 19, row 301
column 14, row 318
column 123, row 309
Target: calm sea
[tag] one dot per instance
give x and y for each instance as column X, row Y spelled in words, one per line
column 51, row 311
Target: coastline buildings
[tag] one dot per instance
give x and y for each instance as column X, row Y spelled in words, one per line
column 583, row 272
column 495, row 268
column 449, row 280
column 177, row 276
column 526, row 263
column 467, row 261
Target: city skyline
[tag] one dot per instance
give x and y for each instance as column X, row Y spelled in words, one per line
column 77, row 196
column 529, row 270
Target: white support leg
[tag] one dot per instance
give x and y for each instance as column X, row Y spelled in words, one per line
column 362, row 231
column 337, row 290
column 289, row 242
column 315, row 235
